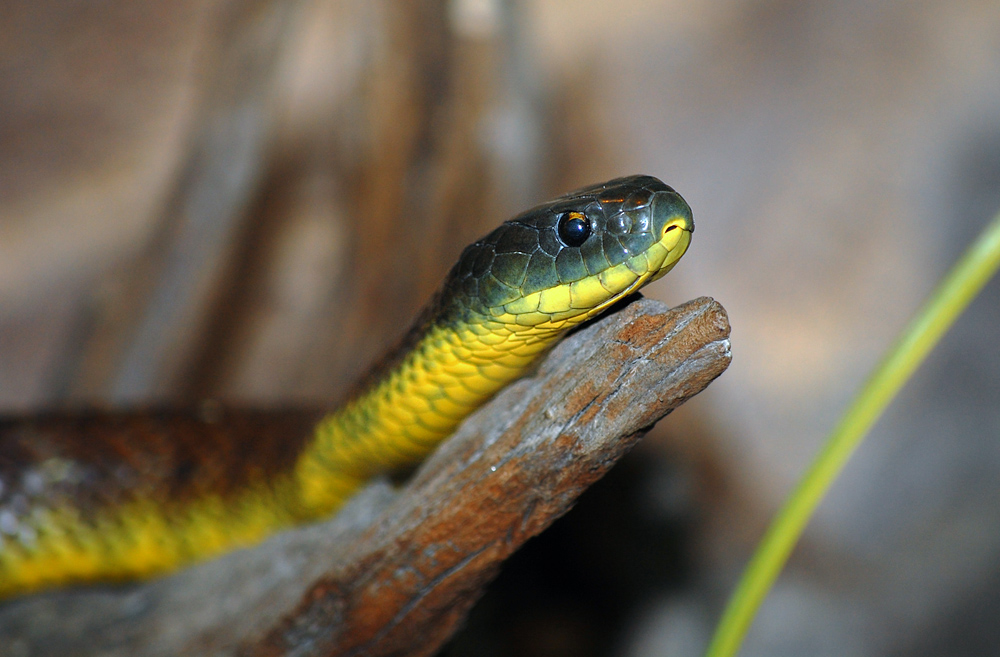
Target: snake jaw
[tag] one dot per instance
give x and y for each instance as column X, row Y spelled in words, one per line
column 597, row 310
column 679, row 241
column 674, row 239
column 678, row 245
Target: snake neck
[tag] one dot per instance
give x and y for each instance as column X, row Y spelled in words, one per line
column 435, row 378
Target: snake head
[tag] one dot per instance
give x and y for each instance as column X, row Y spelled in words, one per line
column 566, row 260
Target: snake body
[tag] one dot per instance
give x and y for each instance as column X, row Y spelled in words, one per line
column 164, row 490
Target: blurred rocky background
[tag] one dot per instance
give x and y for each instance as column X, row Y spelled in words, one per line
column 249, row 199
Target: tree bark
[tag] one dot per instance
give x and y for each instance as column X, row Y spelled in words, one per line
column 397, row 570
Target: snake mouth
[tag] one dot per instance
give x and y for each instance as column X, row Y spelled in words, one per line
column 615, row 298
column 675, row 239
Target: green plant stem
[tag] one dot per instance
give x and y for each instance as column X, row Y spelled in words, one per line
column 960, row 286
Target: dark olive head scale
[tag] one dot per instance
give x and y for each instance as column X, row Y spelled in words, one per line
column 482, row 260
column 569, row 266
column 516, row 238
column 640, row 198
column 466, row 264
column 494, row 293
column 470, row 288
column 640, row 220
column 541, row 273
column 619, row 223
column 636, row 242
column 612, row 206
column 613, row 249
column 549, row 243
column 510, row 268
column 593, row 255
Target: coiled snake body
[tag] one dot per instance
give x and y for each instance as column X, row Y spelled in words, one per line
column 159, row 491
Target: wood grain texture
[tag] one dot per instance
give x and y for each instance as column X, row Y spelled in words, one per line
column 397, row 570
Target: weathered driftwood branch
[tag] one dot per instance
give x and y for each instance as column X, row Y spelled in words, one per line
column 396, row 571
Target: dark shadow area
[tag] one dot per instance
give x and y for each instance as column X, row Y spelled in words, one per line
column 572, row 590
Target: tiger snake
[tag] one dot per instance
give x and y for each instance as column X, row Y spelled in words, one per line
column 76, row 507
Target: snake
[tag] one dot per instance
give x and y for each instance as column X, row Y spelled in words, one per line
column 100, row 496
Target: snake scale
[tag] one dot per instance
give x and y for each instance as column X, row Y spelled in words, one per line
column 96, row 496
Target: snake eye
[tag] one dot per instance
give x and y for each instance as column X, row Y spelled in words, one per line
column 574, row 229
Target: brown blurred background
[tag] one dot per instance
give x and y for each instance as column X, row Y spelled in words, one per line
column 250, row 198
